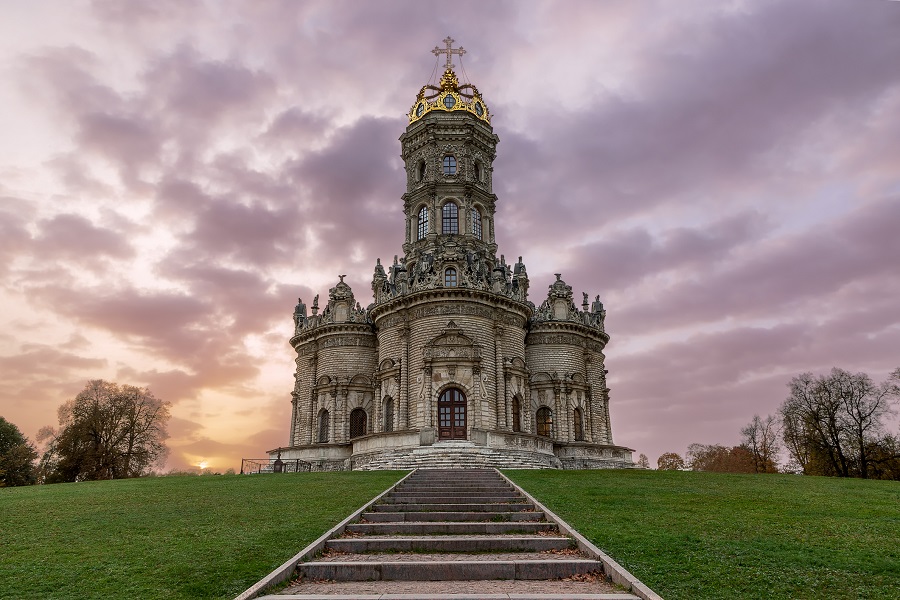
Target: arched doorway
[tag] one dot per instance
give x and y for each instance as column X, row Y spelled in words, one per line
column 452, row 415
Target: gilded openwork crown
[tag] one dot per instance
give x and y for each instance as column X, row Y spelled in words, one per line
column 450, row 96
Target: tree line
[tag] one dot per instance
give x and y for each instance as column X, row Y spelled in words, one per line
column 107, row 431
column 831, row 425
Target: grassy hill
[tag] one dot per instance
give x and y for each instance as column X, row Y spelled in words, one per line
column 709, row 535
column 687, row 535
column 167, row 537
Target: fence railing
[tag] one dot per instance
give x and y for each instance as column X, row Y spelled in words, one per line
column 273, row 465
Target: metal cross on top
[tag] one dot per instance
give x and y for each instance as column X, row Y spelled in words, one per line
column 449, row 51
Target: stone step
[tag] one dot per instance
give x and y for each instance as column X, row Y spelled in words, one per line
column 419, row 485
column 448, row 570
column 444, row 483
column 471, row 516
column 453, row 507
column 486, row 493
column 450, row 596
column 456, row 499
column 450, row 528
column 450, row 543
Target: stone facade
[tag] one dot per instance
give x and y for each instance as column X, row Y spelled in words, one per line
column 451, row 363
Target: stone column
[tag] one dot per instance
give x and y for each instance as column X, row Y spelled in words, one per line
column 403, row 408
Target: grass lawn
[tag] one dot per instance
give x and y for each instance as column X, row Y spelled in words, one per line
column 707, row 535
column 167, row 537
column 686, row 535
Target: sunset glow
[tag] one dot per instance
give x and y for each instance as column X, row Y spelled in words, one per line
column 174, row 175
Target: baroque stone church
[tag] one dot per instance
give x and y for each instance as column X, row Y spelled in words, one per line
column 451, row 365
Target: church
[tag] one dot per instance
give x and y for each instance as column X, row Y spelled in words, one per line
column 451, row 364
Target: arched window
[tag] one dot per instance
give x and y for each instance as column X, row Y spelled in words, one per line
column 477, row 171
column 544, row 422
column 357, row 422
column 323, row 427
column 420, row 171
column 450, row 277
column 516, row 414
column 449, row 165
column 388, row 414
column 450, row 218
column 476, row 223
column 423, row 223
column 578, row 425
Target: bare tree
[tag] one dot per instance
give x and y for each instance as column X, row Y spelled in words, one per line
column 760, row 438
column 643, row 461
column 831, row 424
column 106, row 432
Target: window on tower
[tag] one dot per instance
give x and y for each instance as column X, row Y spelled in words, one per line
column 476, row 223
column 544, row 422
column 323, row 427
column 449, row 165
column 423, row 223
column 450, row 277
column 450, row 218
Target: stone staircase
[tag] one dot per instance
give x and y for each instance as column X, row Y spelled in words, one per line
column 455, row 454
column 452, row 533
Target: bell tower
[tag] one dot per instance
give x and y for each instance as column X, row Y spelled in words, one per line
column 449, row 149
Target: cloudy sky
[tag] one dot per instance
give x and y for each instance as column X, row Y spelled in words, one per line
column 173, row 175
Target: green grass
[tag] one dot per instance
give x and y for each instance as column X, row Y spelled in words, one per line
column 686, row 535
column 167, row 537
column 706, row 535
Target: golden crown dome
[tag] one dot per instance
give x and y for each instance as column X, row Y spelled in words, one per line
column 450, row 96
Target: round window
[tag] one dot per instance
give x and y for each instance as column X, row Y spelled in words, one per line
column 479, row 109
column 420, row 109
column 449, row 101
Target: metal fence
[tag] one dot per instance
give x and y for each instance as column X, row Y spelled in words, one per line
column 273, row 465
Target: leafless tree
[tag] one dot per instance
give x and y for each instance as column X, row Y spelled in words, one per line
column 831, row 424
column 107, row 432
column 760, row 438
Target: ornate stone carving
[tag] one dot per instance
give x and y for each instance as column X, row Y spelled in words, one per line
column 347, row 340
column 560, row 306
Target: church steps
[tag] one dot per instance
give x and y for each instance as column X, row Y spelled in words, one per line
column 429, row 529
column 449, row 527
column 453, row 507
column 449, row 570
column 450, row 543
column 445, row 516
column 456, row 458
column 448, row 500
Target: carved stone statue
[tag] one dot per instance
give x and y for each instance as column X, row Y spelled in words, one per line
column 299, row 313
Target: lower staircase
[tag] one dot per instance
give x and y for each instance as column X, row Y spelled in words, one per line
column 452, row 533
column 452, row 454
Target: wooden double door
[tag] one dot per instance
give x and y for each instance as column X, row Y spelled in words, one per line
column 452, row 415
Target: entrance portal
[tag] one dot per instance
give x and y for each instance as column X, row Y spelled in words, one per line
column 452, row 415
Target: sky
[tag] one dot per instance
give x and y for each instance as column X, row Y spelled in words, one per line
column 174, row 175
